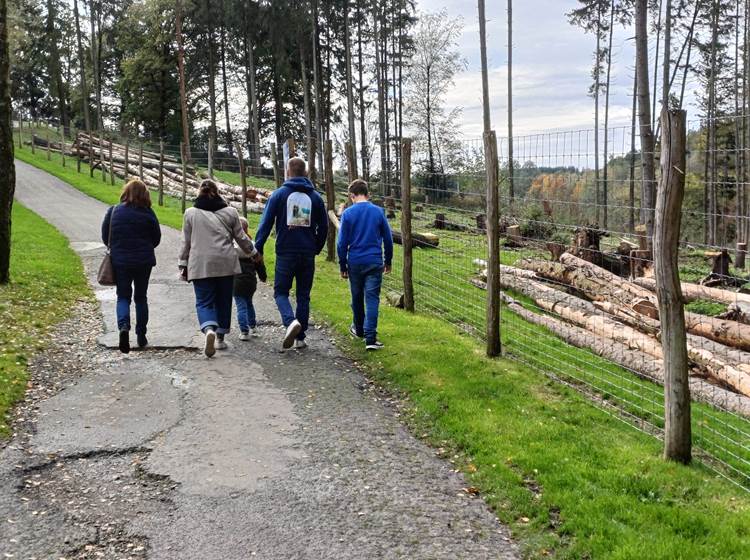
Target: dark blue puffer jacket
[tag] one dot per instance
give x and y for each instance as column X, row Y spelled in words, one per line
column 135, row 234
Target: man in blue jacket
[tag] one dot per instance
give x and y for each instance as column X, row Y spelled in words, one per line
column 301, row 231
column 363, row 235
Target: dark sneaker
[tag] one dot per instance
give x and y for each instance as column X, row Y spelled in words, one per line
column 292, row 331
column 124, row 342
column 353, row 332
column 374, row 345
column 142, row 341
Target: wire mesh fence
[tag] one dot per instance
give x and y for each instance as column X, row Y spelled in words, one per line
column 576, row 272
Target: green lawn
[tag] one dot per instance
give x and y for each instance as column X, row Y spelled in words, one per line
column 46, row 279
column 571, row 480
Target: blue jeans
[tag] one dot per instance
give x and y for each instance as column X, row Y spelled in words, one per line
column 245, row 313
column 132, row 284
column 213, row 302
column 365, row 281
column 289, row 268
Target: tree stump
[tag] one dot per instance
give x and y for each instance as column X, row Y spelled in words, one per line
column 513, row 233
column 740, row 255
column 557, row 249
column 481, row 222
column 440, row 222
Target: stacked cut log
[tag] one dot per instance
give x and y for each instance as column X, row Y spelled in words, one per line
column 96, row 152
column 589, row 307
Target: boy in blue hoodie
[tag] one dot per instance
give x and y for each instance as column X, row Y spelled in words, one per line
column 299, row 214
column 363, row 236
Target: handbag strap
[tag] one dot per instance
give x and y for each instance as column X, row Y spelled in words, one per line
column 111, row 219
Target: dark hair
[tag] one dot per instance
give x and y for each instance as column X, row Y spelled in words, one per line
column 358, row 188
column 297, row 167
column 208, row 188
column 135, row 193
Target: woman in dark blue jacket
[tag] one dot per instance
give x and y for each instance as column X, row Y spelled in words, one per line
column 135, row 233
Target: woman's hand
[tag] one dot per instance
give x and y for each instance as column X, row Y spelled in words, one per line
column 183, row 273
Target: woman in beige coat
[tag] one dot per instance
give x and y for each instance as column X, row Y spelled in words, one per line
column 209, row 260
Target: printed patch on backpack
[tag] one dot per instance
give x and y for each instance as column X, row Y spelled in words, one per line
column 298, row 210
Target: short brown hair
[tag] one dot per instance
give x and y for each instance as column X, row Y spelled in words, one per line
column 208, row 188
column 358, row 187
column 297, row 167
column 135, row 193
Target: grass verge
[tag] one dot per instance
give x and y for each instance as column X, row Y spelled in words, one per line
column 570, row 480
column 46, row 279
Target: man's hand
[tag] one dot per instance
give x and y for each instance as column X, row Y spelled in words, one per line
column 345, row 275
column 258, row 258
column 387, row 269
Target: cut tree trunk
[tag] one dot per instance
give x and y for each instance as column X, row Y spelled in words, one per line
column 692, row 292
column 418, row 239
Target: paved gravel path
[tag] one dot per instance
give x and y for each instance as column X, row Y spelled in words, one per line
column 164, row 454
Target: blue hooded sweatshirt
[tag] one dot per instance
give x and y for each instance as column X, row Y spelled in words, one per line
column 300, row 217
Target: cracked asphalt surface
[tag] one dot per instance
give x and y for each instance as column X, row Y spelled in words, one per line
column 163, row 454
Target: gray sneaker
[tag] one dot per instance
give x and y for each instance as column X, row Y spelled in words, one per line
column 300, row 344
column 292, row 331
column 209, row 347
column 353, row 332
column 377, row 345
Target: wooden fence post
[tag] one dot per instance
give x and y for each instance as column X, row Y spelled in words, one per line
column 406, row 224
column 78, row 151
column 184, row 176
column 127, row 158
column 494, row 346
column 46, row 135
column 20, row 132
column 61, row 130
column 210, row 154
column 102, row 159
column 111, row 165
column 677, row 430
column 275, row 164
column 330, row 198
column 243, row 178
column 161, row 172
column 351, row 162
column 33, row 140
column 140, row 161
column 91, row 153
column 292, row 143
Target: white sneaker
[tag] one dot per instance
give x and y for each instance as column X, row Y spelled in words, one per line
column 245, row 336
column 300, row 344
column 291, row 334
column 254, row 332
column 221, row 345
column 377, row 345
column 209, row 347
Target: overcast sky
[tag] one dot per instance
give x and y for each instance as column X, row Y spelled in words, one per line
column 552, row 63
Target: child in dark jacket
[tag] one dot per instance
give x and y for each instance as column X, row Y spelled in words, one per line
column 245, row 285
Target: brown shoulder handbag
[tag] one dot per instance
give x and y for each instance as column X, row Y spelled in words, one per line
column 106, row 274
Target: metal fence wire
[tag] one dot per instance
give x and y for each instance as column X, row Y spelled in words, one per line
column 576, row 270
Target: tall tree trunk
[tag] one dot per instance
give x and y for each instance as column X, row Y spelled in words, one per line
column 644, row 119
column 597, row 84
column 667, row 56
column 82, row 63
column 55, row 64
column 306, row 102
column 712, row 175
column 605, row 182
column 386, row 100
column 230, row 138
column 746, row 125
column 385, row 189
column 362, row 108
column 7, row 167
column 350, row 88
column 511, row 172
column 396, row 138
column 211, row 87
column 316, row 85
column 631, row 180
column 278, row 104
column 487, row 120
column 738, row 137
column 183, row 96
column 656, row 66
column 95, row 65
